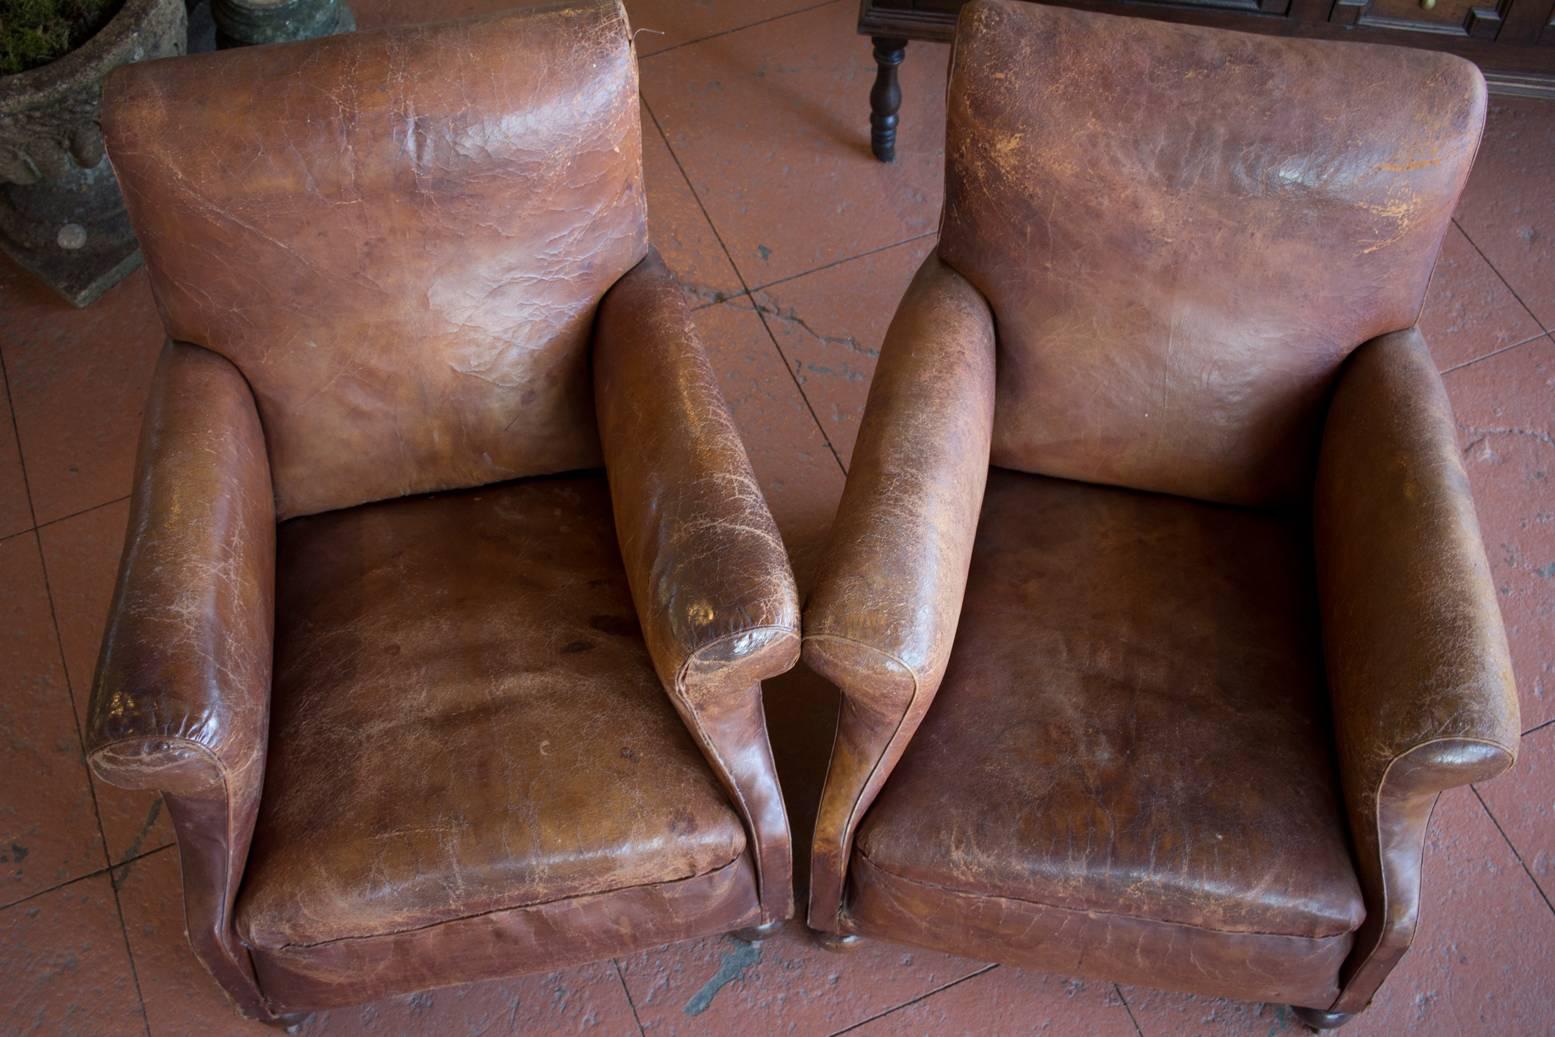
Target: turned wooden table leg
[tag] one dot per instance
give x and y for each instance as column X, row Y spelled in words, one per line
column 243, row 23
column 885, row 98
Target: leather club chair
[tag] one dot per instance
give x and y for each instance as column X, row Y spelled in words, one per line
column 409, row 740
column 1156, row 596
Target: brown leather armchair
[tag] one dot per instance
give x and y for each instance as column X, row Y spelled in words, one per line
column 411, row 738
column 1156, row 596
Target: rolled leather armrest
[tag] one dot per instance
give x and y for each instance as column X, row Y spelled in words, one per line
column 1416, row 655
column 709, row 574
column 181, row 701
column 880, row 621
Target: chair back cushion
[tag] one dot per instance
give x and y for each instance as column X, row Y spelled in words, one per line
column 1183, row 231
column 399, row 237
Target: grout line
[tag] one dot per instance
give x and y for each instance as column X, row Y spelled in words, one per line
column 912, row 1001
column 1481, row 252
column 1494, row 352
column 1137, row 1028
column 63, row 518
column 1537, row 727
column 16, row 434
column 628, row 992
column 91, row 874
column 846, row 259
column 1513, row 846
column 726, row 32
column 744, row 288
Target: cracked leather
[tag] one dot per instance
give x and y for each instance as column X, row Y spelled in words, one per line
column 513, row 724
column 1228, row 628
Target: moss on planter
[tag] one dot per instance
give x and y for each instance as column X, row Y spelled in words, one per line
column 35, row 32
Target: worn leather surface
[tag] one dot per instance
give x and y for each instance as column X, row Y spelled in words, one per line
column 1182, row 231
column 708, row 571
column 881, row 618
column 181, row 700
column 465, row 720
column 1130, row 769
column 1424, row 704
column 405, row 266
column 1135, row 696
column 391, row 258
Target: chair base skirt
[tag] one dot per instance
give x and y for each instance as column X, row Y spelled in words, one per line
column 1245, row 966
column 535, row 938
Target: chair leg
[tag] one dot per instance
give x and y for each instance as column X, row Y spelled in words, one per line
column 757, row 933
column 838, row 941
column 1318, row 1019
column 290, row 1022
column 885, row 98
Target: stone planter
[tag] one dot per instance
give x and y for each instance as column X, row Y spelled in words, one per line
column 61, row 214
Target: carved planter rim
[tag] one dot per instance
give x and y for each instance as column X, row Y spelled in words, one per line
column 38, row 86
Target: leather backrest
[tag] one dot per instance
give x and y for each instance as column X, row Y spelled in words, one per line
column 1182, row 232
column 398, row 237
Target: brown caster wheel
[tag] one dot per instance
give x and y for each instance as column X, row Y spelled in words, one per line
column 1318, row 1019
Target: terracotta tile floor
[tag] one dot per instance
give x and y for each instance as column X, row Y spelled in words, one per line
column 796, row 246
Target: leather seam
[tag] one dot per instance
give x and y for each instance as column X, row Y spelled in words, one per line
column 701, row 732
column 229, row 909
column 851, row 823
column 1420, row 859
column 1096, row 911
column 286, row 947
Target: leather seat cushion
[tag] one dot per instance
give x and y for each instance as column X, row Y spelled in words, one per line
column 1133, row 724
column 465, row 720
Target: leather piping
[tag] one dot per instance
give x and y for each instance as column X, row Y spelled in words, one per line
column 718, row 760
column 1420, row 857
column 228, row 895
column 852, row 821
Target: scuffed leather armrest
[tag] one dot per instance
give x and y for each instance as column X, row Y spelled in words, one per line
column 1416, row 655
column 182, row 696
column 709, row 574
column 880, row 621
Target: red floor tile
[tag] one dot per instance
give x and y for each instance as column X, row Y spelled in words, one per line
column 1505, row 406
column 674, row 22
column 1523, row 803
column 1469, row 311
column 15, row 512
column 82, row 558
column 63, row 968
column 1008, row 1001
column 679, row 229
column 788, row 984
column 772, row 126
column 1508, row 209
column 1160, row 1012
column 48, row 831
column 78, row 381
column 182, row 999
column 830, row 325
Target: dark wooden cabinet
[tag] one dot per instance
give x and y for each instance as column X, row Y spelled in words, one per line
column 1512, row 41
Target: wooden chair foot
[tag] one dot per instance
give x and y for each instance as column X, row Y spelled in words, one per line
column 757, row 933
column 1318, row 1019
column 839, row 941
